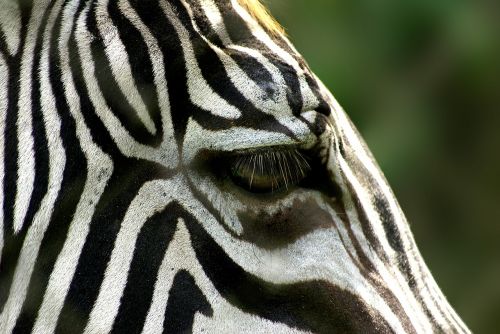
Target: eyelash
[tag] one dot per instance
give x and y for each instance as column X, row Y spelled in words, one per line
column 270, row 170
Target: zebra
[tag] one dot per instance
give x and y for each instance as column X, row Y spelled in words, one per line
column 175, row 166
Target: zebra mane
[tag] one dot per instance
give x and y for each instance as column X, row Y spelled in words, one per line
column 262, row 15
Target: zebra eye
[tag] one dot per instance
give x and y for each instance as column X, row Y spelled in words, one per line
column 268, row 171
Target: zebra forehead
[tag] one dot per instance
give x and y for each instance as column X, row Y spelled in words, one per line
column 262, row 15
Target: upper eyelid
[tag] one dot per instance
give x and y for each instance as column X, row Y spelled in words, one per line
column 308, row 141
column 266, row 149
column 305, row 141
column 302, row 133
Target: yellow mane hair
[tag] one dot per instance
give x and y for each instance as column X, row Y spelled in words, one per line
column 261, row 14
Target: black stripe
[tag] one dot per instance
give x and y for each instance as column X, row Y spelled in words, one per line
column 12, row 244
column 10, row 144
column 106, row 222
column 392, row 233
column 152, row 242
column 10, row 254
column 203, row 23
column 128, row 176
column 252, row 68
column 40, row 145
column 389, row 228
column 366, row 267
column 293, row 92
column 184, row 301
column 174, row 62
column 395, row 240
column 175, row 71
column 237, row 28
column 240, row 33
column 323, row 108
column 366, row 225
column 215, row 74
column 73, row 182
column 141, row 66
column 314, row 306
column 3, row 46
column 115, row 98
column 256, row 72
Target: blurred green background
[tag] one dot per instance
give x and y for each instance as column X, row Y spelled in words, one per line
column 421, row 80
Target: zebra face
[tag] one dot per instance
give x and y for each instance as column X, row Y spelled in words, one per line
column 199, row 178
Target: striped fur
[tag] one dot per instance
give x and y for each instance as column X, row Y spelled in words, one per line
column 115, row 118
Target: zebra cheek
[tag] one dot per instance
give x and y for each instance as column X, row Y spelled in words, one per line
column 284, row 226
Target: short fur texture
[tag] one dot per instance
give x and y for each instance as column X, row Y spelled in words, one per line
column 123, row 207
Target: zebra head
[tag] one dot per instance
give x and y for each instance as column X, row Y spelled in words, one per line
column 174, row 165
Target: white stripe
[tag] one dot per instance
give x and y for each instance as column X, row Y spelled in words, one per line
column 4, row 74
column 399, row 219
column 26, row 155
column 390, row 275
column 225, row 319
column 259, row 33
column 36, row 231
column 120, row 64
column 200, row 92
column 168, row 148
column 245, row 85
column 10, row 25
column 415, row 262
column 127, row 145
column 216, row 21
column 297, row 261
column 149, row 200
column 177, row 252
column 99, row 170
column 240, row 79
column 310, row 101
column 389, row 272
column 238, row 138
